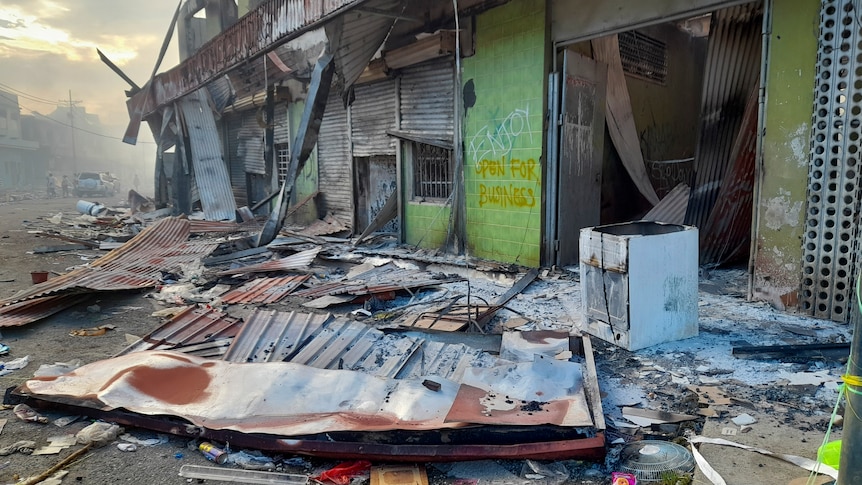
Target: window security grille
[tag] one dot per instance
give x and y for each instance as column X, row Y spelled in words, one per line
column 432, row 171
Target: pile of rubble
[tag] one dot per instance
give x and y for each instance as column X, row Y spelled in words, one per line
column 314, row 346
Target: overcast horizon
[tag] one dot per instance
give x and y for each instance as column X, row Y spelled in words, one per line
column 48, row 47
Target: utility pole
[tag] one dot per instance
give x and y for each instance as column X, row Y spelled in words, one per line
column 72, row 128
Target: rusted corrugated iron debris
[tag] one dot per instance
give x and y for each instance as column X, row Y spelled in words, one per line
column 194, row 325
column 265, row 290
column 138, row 264
column 295, row 261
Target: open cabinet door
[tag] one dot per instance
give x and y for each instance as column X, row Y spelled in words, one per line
column 581, row 151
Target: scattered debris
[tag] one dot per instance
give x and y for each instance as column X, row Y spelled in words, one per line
column 744, row 420
column 56, row 445
column 399, row 475
column 806, row 463
column 24, row 446
column 98, row 434
column 93, row 331
column 343, row 473
column 56, row 468
column 26, row 413
column 240, row 476
column 795, row 353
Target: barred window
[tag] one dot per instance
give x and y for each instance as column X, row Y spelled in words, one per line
column 643, row 56
column 432, row 171
column 282, row 153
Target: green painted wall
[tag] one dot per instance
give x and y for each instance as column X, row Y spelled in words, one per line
column 784, row 177
column 503, row 133
column 425, row 224
column 307, row 180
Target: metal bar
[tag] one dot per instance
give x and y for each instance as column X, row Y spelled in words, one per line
column 850, row 464
column 306, row 139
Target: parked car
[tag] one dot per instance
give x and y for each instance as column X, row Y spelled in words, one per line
column 93, row 183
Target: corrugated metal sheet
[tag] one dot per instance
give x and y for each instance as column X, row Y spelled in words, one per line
column 326, row 342
column 29, row 311
column 210, row 170
column 236, row 163
column 136, row 264
column 204, row 227
column 281, row 124
column 271, row 336
column 672, row 207
column 426, row 99
column 335, row 165
column 831, row 245
column 727, row 233
column 221, row 92
column 275, row 398
column 372, row 115
column 194, row 325
column 296, row 261
column 251, row 143
column 265, row 290
column 732, row 69
column 356, row 36
column 273, row 23
column 379, row 280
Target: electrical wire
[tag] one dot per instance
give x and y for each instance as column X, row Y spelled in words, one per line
column 77, row 128
column 31, row 97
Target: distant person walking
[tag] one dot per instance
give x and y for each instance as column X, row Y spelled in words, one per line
column 136, row 181
column 52, row 185
column 66, row 184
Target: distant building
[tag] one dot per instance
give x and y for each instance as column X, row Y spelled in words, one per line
column 70, row 149
column 21, row 166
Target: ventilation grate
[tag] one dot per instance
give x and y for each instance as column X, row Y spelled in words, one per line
column 830, row 248
column 643, row 56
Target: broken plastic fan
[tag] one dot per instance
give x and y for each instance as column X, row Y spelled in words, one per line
column 651, row 460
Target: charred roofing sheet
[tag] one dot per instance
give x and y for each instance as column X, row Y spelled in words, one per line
column 295, row 261
column 192, row 326
column 28, row 311
column 379, row 280
column 322, row 341
column 265, row 290
column 200, row 227
column 135, row 265
column 271, row 336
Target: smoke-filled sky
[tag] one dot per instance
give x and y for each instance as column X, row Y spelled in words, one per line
column 48, row 47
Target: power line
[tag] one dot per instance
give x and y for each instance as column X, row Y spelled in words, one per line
column 78, row 128
column 31, row 97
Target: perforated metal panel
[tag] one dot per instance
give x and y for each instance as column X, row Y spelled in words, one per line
column 830, row 248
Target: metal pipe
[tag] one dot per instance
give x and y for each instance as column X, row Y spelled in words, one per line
column 850, row 466
column 766, row 32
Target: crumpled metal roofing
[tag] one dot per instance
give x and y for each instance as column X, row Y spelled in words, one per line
column 379, row 280
column 201, row 227
column 28, row 311
column 194, row 325
column 544, row 391
column 294, row 261
column 135, row 265
column 264, row 290
column 326, row 342
column 271, row 336
column 262, row 397
column 272, row 398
